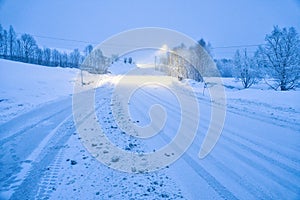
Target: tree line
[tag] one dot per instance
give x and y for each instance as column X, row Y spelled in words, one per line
column 277, row 62
column 25, row 49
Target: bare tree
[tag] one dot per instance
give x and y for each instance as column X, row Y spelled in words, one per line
column 87, row 50
column 64, row 60
column 28, row 45
column 114, row 58
column 55, row 55
column 75, row 58
column 280, row 57
column 4, row 44
column 46, row 56
column 38, row 56
column 1, row 40
column 206, row 45
column 11, row 41
column 19, row 50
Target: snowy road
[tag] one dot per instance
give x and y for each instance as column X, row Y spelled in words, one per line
column 257, row 156
column 30, row 143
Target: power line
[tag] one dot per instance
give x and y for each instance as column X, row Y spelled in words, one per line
column 238, row 46
column 95, row 43
column 61, row 39
column 133, row 46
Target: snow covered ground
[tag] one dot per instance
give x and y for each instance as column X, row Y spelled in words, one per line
column 42, row 156
column 25, row 86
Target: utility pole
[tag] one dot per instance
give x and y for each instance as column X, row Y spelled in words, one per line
column 81, row 75
column 155, row 67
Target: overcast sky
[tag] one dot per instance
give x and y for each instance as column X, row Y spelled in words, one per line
column 221, row 22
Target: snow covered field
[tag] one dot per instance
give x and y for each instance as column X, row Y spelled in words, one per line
column 25, row 86
column 42, row 156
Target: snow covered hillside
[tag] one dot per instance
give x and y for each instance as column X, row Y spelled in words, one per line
column 25, row 86
column 42, row 154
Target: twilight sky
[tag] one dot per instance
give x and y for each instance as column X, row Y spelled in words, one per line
column 221, row 22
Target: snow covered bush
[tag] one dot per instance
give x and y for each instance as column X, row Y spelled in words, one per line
column 245, row 69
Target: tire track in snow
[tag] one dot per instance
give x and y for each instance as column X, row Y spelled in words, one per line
column 118, row 185
column 20, row 150
column 254, row 152
column 19, row 123
column 222, row 191
column 14, row 154
column 250, row 114
column 261, row 145
column 254, row 106
column 48, row 182
column 264, row 157
column 258, row 167
column 39, row 168
column 212, row 181
column 258, row 192
column 262, row 169
column 205, row 175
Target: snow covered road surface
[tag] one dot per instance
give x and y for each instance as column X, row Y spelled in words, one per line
column 257, row 156
column 30, row 142
column 254, row 158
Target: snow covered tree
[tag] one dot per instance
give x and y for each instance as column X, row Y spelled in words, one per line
column 280, row 58
column 99, row 61
column 202, row 61
column 96, row 62
column 176, row 64
column 225, row 67
column 245, row 69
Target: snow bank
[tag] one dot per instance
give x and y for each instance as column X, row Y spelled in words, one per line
column 261, row 93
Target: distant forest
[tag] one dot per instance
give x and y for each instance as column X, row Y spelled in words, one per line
column 25, row 49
